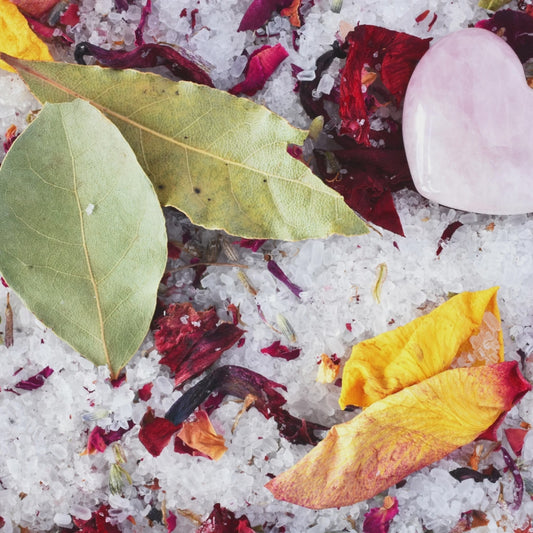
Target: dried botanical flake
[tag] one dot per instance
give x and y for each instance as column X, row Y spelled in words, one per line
column 259, row 12
column 71, row 15
column 518, row 481
column 276, row 271
column 400, row 434
column 249, row 400
column 492, row 5
column 261, row 65
column 10, row 136
column 422, row 348
column 285, row 327
column 292, row 12
column 276, row 349
column 16, row 37
column 246, row 282
column 99, row 439
column 144, row 56
column 98, row 523
column 463, row 473
column 251, row 244
column 378, row 519
column 201, row 435
column 476, row 457
column 422, row 16
column 35, row 8
column 156, row 432
column 515, row 437
column 146, row 10
column 36, row 381
column 222, row 520
column 328, row 369
column 229, row 250
column 8, row 333
column 116, row 475
column 380, row 279
column 145, row 392
column 447, row 235
column 195, row 518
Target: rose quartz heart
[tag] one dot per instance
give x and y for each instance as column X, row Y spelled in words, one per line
column 467, row 125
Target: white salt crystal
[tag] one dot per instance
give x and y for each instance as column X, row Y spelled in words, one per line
column 306, row 75
column 325, row 84
column 238, row 66
column 62, row 519
column 81, row 512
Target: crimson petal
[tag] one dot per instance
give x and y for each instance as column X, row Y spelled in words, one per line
column 276, row 349
column 261, row 64
column 222, row 520
column 36, row 381
column 259, row 12
column 156, row 432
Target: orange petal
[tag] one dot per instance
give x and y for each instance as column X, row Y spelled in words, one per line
column 16, row 37
column 328, row 370
column 399, row 435
column 424, row 347
column 201, row 436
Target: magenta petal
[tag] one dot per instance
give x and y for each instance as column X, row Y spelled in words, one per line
column 259, row 12
column 261, row 64
column 378, row 519
column 252, row 244
column 276, row 271
column 146, row 56
column 147, row 9
column 36, row 381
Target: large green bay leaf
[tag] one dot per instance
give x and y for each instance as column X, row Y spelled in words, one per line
column 220, row 159
column 82, row 235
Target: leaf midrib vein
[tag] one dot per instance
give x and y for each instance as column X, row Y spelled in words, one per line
column 168, row 139
column 86, row 250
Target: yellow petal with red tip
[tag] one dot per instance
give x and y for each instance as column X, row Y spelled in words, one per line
column 400, row 434
column 16, row 37
column 424, row 347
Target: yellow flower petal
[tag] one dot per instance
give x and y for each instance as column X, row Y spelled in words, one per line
column 16, row 37
column 401, row 434
column 328, row 370
column 426, row 346
column 201, row 435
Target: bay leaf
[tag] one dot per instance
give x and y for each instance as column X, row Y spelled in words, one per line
column 82, row 235
column 220, row 159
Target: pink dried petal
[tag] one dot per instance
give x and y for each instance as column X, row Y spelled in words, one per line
column 261, row 64
column 71, row 15
column 252, row 244
column 378, row 519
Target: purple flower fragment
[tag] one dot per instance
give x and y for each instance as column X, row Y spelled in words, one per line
column 146, row 56
column 463, row 473
column 519, row 483
column 36, row 381
column 276, row 271
column 515, row 27
column 241, row 382
column 251, row 244
column 122, row 5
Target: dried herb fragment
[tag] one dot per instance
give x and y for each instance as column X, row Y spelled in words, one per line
column 241, row 382
column 518, row 481
column 261, row 65
column 378, row 519
column 222, row 520
column 146, row 56
column 447, row 235
column 380, row 280
column 8, row 333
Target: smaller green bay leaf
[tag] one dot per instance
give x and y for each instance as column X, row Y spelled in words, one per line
column 82, row 235
column 220, row 159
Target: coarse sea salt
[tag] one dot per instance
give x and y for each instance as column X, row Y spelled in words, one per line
column 44, row 431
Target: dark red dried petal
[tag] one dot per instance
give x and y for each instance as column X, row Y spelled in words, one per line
column 98, row 523
column 146, row 56
column 447, row 235
column 368, row 46
column 276, row 349
column 259, row 12
column 463, row 473
column 156, row 432
column 222, row 520
column 516, row 437
column 36, row 381
column 261, row 64
column 295, row 429
column 515, row 27
column 207, row 350
column 99, row 439
column 145, row 392
column 173, row 251
column 47, row 32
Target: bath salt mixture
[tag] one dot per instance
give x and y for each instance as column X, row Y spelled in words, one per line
column 72, row 442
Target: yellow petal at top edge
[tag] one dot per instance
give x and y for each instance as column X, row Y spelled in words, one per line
column 16, row 37
column 422, row 348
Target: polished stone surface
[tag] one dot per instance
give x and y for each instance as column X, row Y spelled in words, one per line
column 468, row 125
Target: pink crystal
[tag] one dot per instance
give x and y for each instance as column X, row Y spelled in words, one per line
column 467, row 123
